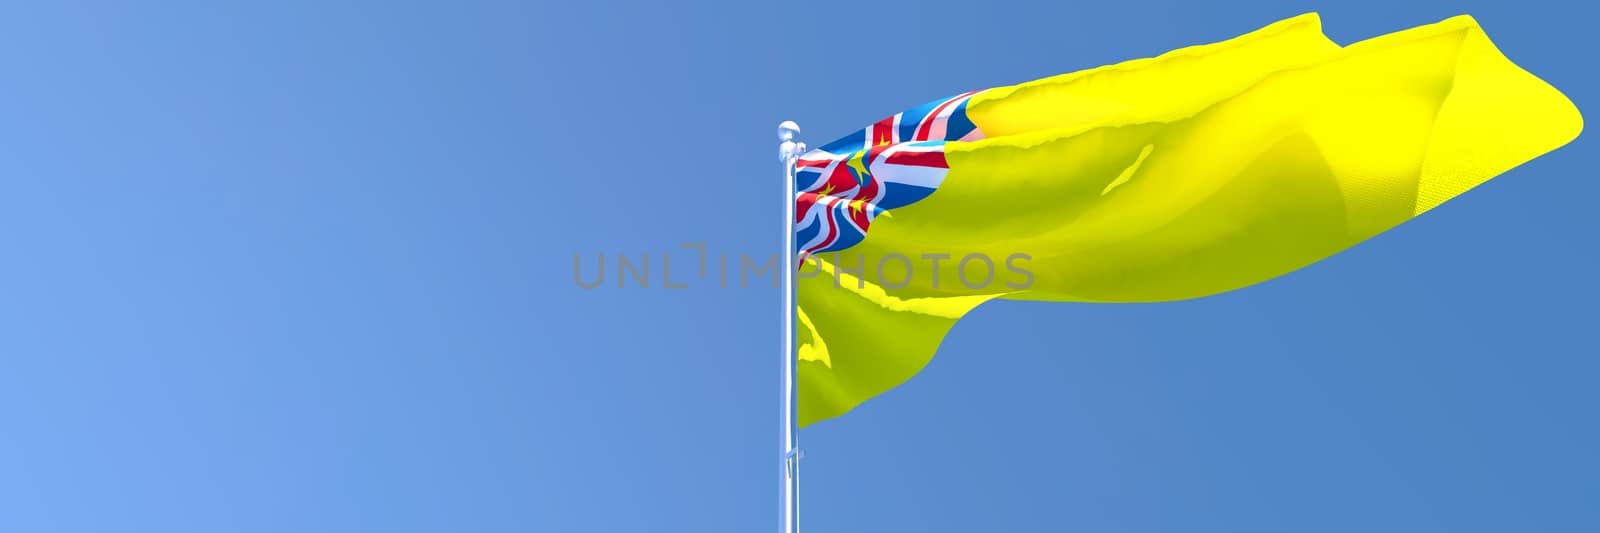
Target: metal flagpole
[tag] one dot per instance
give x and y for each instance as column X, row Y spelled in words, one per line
column 789, row 151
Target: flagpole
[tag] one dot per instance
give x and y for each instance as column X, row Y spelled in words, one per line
column 789, row 151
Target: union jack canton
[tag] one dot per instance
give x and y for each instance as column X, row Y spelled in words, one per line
column 843, row 186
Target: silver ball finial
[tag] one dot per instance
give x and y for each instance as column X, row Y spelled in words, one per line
column 788, row 130
column 789, row 149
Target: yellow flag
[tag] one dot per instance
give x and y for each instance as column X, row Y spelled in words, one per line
column 1203, row 170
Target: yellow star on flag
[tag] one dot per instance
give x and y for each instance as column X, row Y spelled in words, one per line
column 859, row 163
column 856, row 206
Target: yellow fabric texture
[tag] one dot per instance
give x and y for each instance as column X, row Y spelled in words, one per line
column 1200, row 171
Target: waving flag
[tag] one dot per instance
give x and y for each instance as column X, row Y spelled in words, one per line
column 1200, row 171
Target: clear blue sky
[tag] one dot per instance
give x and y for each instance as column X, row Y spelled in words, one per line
column 306, row 266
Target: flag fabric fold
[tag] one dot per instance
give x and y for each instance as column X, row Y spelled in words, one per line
column 1200, row 171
